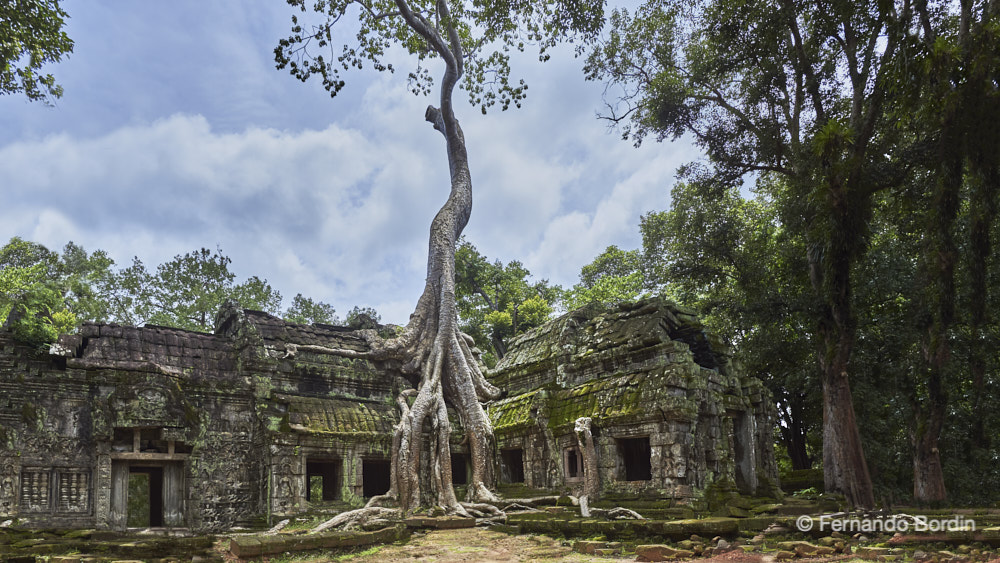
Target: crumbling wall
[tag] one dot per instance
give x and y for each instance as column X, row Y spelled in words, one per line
column 226, row 422
column 670, row 412
column 234, row 426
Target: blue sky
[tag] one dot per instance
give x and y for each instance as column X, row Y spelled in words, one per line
column 176, row 132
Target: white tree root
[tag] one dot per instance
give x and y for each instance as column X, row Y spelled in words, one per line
column 363, row 517
column 585, row 440
column 277, row 527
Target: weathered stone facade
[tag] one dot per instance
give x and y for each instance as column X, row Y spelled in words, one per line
column 670, row 412
column 223, row 429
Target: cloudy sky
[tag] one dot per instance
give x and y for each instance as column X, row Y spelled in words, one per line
column 176, row 132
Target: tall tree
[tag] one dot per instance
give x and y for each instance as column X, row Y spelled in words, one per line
column 304, row 310
column 614, row 276
column 31, row 35
column 32, row 293
column 795, row 89
column 952, row 59
column 473, row 41
column 497, row 301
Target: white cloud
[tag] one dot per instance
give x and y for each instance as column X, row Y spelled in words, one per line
column 269, row 198
column 330, row 198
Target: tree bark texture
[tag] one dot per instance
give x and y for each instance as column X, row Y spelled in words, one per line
column 844, row 467
column 793, row 434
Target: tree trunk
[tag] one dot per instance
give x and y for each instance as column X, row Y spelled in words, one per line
column 986, row 184
column 431, row 345
column 793, row 435
column 844, row 467
column 928, row 476
column 942, row 256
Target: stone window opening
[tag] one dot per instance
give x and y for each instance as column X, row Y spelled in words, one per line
column 146, row 440
column 512, row 465
column 123, row 440
column 375, row 477
column 60, row 490
column 634, row 459
column 573, row 464
column 323, row 479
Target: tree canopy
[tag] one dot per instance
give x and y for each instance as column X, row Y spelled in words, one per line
column 50, row 293
column 614, row 276
column 840, row 111
column 31, row 36
column 498, row 301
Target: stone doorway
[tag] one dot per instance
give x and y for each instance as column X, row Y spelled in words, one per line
column 146, row 494
column 512, row 466
column 144, row 505
column 634, row 459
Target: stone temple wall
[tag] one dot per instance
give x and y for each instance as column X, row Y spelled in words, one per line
column 224, row 429
column 670, row 412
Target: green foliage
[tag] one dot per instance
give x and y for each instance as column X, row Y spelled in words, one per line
column 51, row 293
column 482, row 34
column 868, row 247
column 31, row 35
column 187, row 292
column 42, row 293
column 614, row 276
column 498, row 301
column 304, row 310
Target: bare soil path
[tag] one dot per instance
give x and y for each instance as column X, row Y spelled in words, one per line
column 478, row 544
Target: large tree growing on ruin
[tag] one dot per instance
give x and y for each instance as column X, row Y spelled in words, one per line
column 473, row 42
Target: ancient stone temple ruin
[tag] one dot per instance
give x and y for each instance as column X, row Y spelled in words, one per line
column 217, row 430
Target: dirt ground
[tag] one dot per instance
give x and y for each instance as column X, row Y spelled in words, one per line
column 482, row 545
column 477, row 544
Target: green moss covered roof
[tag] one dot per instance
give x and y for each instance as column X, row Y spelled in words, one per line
column 340, row 416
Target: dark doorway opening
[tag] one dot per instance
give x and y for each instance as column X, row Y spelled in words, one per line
column 145, row 497
column 512, row 466
column 459, row 470
column 573, row 464
column 375, row 476
column 634, row 459
column 323, row 478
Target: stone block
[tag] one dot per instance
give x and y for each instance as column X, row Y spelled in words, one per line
column 704, row 527
column 659, row 552
column 588, row 547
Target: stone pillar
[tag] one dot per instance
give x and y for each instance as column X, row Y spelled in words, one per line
column 173, row 495
column 745, row 446
column 118, row 510
column 102, row 491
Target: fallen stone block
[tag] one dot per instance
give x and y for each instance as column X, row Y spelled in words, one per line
column 658, row 552
column 588, row 547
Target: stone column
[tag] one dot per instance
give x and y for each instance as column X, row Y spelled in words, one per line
column 746, row 463
column 118, row 510
column 173, row 495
